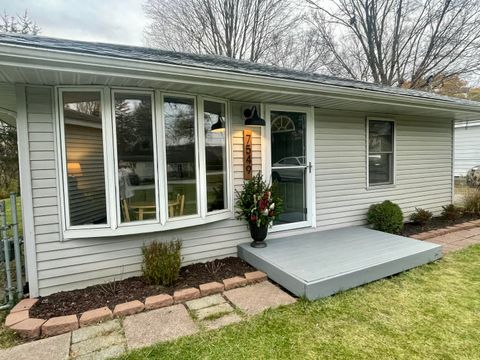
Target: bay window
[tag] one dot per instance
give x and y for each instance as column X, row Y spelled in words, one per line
column 141, row 161
column 380, row 152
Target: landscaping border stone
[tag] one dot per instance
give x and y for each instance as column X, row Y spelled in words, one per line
column 59, row 325
column 20, row 321
column 449, row 229
column 29, row 328
column 128, row 308
column 95, row 316
column 211, row 288
column 234, row 282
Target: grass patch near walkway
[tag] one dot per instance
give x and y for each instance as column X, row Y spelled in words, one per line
column 7, row 337
column 432, row 312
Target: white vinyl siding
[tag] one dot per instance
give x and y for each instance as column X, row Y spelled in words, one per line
column 66, row 265
column 422, row 169
column 423, row 179
column 467, row 148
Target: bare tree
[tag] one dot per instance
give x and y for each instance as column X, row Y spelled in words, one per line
column 240, row 29
column 18, row 24
column 303, row 50
column 408, row 43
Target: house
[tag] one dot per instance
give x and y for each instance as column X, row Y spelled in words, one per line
column 467, row 147
column 117, row 148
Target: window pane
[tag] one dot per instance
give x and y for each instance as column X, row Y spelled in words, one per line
column 291, row 185
column 214, row 114
column 136, row 165
column 288, row 138
column 84, row 155
column 380, row 168
column 179, row 114
column 380, row 136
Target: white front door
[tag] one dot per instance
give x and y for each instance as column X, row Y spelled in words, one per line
column 290, row 163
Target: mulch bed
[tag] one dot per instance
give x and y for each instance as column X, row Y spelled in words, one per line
column 117, row 292
column 410, row 229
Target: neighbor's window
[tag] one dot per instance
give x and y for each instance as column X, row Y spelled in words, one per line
column 179, row 122
column 82, row 115
column 380, row 152
column 215, row 155
column 135, row 156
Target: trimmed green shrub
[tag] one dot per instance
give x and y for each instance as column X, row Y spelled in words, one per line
column 161, row 262
column 421, row 216
column 386, row 217
column 451, row 212
column 471, row 201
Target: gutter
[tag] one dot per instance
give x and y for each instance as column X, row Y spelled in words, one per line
column 65, row 61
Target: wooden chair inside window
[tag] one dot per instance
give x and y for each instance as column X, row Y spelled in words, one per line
column 178, row 204
column 126, row 211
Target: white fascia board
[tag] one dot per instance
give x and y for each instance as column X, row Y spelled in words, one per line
column 57, row 60
column 467, row 123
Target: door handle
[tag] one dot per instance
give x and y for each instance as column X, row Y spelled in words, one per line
column 309, row 167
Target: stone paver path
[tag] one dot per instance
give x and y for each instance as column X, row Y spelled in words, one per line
column 158, row 325
column 114, row 337
column 54, row 348
column 257, row 298
column 98, row 342
column 457, row 240
column 209, row 307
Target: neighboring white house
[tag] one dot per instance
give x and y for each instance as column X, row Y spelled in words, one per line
column 467, row 146
column 116, row 149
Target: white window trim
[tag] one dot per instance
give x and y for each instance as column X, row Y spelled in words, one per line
column 113, row 227
column 198, row 169
column 310, row 155
column 394, row 150
column 106, row 123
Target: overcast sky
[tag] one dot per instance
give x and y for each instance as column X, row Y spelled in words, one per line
column 117, row 21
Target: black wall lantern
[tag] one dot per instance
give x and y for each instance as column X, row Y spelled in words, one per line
column 252, row 118
column 219, row 126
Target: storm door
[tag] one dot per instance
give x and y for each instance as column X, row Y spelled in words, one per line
column 291, row 165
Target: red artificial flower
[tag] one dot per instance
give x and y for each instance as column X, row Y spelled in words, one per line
column 253, row 218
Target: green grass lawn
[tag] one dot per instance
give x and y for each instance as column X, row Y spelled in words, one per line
column 432, row 312
column 7, row 337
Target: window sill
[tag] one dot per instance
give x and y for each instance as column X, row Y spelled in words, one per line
column 381, row 187
column 144, row 228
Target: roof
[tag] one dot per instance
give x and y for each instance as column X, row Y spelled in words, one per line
column 215, row 62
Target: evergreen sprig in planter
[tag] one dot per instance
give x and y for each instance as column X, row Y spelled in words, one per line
column 258, row 203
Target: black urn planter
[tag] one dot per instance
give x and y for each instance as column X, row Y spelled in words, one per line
column 258, row 234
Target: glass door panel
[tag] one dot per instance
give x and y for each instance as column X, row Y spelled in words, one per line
column 289, row 163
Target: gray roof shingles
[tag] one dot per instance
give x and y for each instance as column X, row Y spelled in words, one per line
column 215, row 62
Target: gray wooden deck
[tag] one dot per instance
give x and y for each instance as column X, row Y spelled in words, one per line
column 323, row 263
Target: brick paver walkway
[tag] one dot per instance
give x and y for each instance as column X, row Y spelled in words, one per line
column 457, row 240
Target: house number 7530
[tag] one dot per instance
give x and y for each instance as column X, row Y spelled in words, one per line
column 247, row 154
